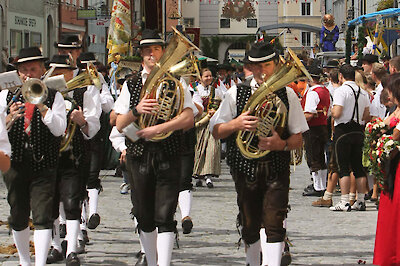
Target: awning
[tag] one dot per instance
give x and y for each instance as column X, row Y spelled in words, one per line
column 209, row 59
column 387, row 13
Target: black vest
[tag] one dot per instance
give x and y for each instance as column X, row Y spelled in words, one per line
column 43, row 145
column 80, row 146
column 279, row 159
column 170, row 146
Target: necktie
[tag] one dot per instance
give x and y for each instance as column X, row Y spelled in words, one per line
column 29, row 108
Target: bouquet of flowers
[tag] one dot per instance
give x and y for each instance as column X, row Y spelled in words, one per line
column 373, row 131
column 384, row 147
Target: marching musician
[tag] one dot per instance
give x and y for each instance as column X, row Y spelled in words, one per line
column 153, row 165
column 315, row 103
column 74, row 165
column 262, row 185
column 35, row 142
column 96, row 149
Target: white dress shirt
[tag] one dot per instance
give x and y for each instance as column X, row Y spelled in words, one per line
column 117, row 140
column 202, row 92
column 122, row 104
column 376, row 108
column 91, row 110
column 228, row 110
column 55, row 118
column 344, row 97
column 5, row 145
column 107, row 101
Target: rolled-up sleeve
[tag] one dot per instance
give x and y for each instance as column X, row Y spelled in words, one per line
column 107, row 101
column 188, row 102
column 121, row 105
column 117, row 140
column 297, row 122
column 5, row 145
column 92, row 111
column 312, row 101
column 56, row 116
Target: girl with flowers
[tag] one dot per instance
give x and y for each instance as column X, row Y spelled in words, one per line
column 387, row 241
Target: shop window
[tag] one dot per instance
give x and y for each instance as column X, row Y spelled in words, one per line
column 16, row 42
column 251, row 23
column 306, row 38
column 36, row 39
column 188, row 22
column 225, row 23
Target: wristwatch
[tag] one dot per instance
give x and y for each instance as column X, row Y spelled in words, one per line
column 286, row 148
column 135, row 112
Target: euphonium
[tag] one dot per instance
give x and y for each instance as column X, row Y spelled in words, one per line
column 164, row 77
column 213, row 104
column 270, row 110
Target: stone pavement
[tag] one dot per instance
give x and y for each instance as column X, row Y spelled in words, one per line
column 319, row 236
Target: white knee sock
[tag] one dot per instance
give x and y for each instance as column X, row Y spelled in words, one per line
column 185, row 202
column 72, row 235
column 84, row 218
column 21, row 240
column 274, row 253
column 149, row 241
column 42, row 244
column 93, row 199
column 165, row 243
column 141, row 246
column 253, row 254
column 263, row 243
column 317, row 181
column 62, row 214
column 323, row 175
column 56, row 241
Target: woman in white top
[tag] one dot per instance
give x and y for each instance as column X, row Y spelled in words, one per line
column 207, row 161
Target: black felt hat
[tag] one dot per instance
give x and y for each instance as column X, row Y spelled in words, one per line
column 370, row 58
column 224, row 65
column 62, row 61
column 30, row 54
column 150, row 37
column 69, row 42
column 315, row 71
column 332, row 64
column 261, row 52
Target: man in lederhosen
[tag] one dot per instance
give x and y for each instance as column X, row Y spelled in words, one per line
column 96, row 148
column 315, row 103
column 154, row 166
column 69, row 44
column 74, row 165
column 35, row 141
column 262, row 185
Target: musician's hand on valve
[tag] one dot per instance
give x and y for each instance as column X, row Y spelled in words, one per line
column 17, row 110
column 246, row 122
column 273, row 143
column 77, row 117
column 147, row 105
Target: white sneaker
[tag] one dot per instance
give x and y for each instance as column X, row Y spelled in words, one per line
column 341, row 206
column 358, row 206
column 124, row 188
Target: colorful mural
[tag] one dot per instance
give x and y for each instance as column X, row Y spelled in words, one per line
column 238, row 9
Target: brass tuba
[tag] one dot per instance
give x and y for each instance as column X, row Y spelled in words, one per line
column 270, row 110
column 164, row 74
column 213, row 104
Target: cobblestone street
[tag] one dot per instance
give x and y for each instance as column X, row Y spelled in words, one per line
column 319, row 236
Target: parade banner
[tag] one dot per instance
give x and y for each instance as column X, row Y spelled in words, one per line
column 119, row 32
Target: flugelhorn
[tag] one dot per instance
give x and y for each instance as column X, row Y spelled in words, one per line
column 89, row 77
column 270, row 110
column 164, row 75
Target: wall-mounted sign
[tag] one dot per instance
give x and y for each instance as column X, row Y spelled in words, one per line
column 194, row 35
column 25, row 22
column 86, row 14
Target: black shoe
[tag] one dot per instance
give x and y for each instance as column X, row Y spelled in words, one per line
column 118, row 172
column 85, row 236
column 80, row 248
column 187, row 225
column 72, row 260
column 64, row 247
column 199, row 183
column 54, row 256
column 63, row 230
column 141, row 259
column 313, row 193
column 368, row 195
column 309, row 187
column 94, row 221
column 210, row 184
column 286, row 257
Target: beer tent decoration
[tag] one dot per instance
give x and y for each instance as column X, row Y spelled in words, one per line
column 119, row 32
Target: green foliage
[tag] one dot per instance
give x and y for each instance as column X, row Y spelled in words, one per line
column 361, row 40
column 384, row 4
column 132, row 58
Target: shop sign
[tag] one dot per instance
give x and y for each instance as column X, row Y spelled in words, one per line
column 25, row 22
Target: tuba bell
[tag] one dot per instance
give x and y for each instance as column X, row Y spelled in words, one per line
column 165, row 74
column 270, row 110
